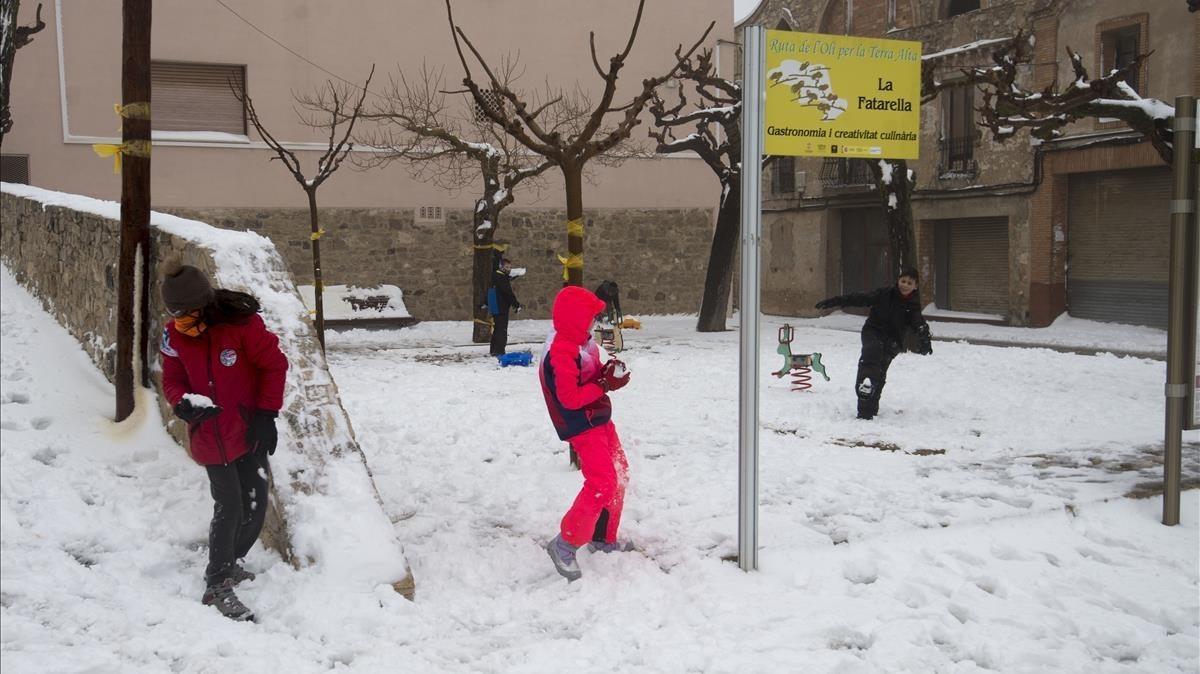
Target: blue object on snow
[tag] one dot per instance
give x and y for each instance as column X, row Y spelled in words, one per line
column 519, row 358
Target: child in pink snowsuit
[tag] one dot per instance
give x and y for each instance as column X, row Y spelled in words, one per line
column 576, row 387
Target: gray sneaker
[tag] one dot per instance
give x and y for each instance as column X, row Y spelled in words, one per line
column 615, row 546
column 562, row 554
column 221, row 596
column 238, row 574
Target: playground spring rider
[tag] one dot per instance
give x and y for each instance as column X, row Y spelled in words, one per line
column 608, row 330
column 798, row 365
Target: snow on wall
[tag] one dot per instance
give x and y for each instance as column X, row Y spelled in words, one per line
column 332, row 517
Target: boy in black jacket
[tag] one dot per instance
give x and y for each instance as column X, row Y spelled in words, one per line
column 500, row 299
column 893, row 309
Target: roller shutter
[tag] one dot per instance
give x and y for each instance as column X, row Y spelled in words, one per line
column 196, row 97
column 977, row 267
column 1118, row 225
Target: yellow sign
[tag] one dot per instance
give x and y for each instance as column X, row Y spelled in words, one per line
column 842, row 96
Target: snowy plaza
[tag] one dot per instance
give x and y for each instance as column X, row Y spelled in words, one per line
column 982, row 522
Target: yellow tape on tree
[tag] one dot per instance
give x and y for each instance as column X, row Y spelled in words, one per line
column 488, row 322
column 132, row 110
column 571, row 261
column 315, row 236
column 132, row 148
column 492, row 246
column 575, row 227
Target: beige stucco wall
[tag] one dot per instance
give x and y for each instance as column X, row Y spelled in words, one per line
column 345, row 39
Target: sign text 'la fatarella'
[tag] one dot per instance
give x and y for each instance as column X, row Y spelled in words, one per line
column 842, row 96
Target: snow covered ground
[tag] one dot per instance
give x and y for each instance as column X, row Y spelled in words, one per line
column 981, row 522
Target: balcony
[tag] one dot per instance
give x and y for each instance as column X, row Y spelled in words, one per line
column 838, row 173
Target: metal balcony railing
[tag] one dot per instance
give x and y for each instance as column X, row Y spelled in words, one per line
column 837, row 172
column 957, row 157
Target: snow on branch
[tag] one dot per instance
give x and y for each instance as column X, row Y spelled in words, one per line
column 1008, row 106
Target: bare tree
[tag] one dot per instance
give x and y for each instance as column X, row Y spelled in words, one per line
column 12, row 38
column 338, row 102
column 717, row 140
column 416, row 124
column 1008, row 107
column 566, row 146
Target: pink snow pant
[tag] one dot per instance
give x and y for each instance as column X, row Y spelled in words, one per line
column 605, row 473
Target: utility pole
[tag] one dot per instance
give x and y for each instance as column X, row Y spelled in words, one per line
column 1181, row 294
column 133, row 273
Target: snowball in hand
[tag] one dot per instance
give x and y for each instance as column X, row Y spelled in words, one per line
column 199, row 401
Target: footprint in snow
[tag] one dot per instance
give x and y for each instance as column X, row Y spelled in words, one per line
column 15, row 398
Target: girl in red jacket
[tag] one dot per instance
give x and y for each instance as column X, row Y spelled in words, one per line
column 576, row 388
column 223, row 374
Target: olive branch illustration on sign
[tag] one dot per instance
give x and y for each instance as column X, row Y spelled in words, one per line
column 810, row 86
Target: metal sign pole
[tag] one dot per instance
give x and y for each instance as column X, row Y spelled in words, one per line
column 753, row 92
column 1180, row 321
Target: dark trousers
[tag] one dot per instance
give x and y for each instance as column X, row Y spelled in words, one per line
column 499, row 333
column 873, row 364
column 239, row 492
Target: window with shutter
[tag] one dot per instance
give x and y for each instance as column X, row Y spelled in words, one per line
column 196, row 97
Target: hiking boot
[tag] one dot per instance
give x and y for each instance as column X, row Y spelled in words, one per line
column 238, row 574
column 562, row 554
column 221, row 596
column 606, row 547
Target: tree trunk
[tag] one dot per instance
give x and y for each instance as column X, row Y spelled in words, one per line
column 896, row 198
column 719, row 277
column 318, row 282
column 481, row 264
column 8, row 53
column 573, row 176
column 133, row 273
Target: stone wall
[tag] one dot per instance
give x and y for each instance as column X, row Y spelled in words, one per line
column 68, row 260
column 657, row 256
column 67, row 257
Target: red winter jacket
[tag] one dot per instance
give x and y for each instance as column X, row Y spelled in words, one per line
column 238, row 366
column 573, row 398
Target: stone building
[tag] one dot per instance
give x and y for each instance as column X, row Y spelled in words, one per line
column 649, row 220
column 1018, row 232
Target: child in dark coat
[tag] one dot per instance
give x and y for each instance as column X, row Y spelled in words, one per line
column 500, row 299
column 894, row 309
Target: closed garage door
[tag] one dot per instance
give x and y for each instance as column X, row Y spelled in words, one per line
column 973, row 255
column 1118, row 246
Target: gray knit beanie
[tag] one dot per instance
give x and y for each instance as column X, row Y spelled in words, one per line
column 185, row 288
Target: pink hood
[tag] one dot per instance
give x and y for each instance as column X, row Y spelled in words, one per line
column 574, row 310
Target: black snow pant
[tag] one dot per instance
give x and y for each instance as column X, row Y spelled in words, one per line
column 877, row 354
column 239, row 492
column 499, row 333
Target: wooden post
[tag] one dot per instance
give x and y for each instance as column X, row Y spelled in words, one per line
column 134, row 268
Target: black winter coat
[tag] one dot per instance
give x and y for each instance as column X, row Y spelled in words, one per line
column 505, row 299
column 891, row 315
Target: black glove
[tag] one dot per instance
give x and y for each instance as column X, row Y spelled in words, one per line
column 924, row 341
column 825, row 304
column 261, row 434
column 192, row 414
